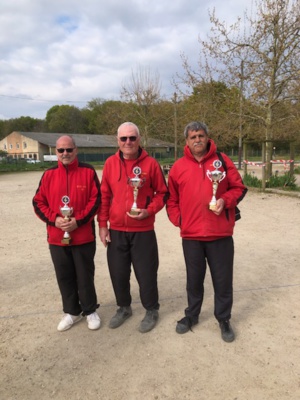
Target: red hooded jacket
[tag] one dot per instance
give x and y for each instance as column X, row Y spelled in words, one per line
column 191, row 192
column 80, row 183
column 117, row 194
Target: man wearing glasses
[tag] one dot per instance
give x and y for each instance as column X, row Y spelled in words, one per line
column 67, row 200
column 133, row 190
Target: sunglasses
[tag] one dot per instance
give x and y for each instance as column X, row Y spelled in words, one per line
column 124, row 138
column 69, row 150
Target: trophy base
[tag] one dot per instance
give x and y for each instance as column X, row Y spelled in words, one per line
column 212, row 207
column 134, row 212
column 66, row 240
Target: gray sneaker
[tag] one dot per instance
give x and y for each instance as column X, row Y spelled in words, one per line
column 122, row 314
column 149, row 321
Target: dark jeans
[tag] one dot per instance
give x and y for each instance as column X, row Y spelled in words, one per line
column 219, row 256
column 75, row 271
column 140, row 250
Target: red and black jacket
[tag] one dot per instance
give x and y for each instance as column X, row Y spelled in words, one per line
column 191, row 192
column 117, row 194
column 81, row 184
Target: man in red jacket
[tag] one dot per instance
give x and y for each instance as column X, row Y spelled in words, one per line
column 203, row 197
column 67, row 200
column 133, row 190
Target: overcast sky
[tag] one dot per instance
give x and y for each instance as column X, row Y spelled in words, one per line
column 71, row 51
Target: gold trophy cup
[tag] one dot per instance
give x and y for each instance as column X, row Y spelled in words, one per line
column 136, row 183
column 215, row 177
column 66, row 212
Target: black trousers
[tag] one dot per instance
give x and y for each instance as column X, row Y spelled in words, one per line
column 219, row 255
column 75, row 271
column 140, row 250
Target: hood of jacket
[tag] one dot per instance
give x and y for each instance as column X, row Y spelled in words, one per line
column 211, row 149
column 142, row 154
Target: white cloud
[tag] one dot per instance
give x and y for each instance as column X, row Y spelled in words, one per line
column 52, row 52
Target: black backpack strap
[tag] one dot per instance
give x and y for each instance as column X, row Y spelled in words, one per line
column 222, row 160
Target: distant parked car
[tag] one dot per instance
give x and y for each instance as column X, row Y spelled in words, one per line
column 30, row 161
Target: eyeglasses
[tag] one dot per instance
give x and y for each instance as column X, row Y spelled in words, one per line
column 69, row 150
column 124, row 138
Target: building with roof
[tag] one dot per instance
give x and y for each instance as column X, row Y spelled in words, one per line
column 35, row 145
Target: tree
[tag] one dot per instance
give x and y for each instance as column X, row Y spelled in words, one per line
column 21, row 124
column 263, row 61
column 216, row 104
column 143, row 89
column 66, row 119
column 3, row 153
column 104, row 117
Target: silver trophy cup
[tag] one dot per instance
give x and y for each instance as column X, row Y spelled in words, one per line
column 136, row 183
column 66, row 212
column 216, row 177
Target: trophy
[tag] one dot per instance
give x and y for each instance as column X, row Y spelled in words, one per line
column 135, row 183
column 215, row 177
column 66, row 212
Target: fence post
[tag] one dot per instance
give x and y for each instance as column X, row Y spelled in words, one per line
column 245, row 153
column 292, row 157
column 263, row 159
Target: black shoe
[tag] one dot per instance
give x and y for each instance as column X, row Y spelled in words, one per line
column 149, row 321
column 185, row 324
column 226, row 331
column 122, row 314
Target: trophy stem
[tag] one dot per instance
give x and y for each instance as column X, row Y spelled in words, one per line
column 213, row 202
column 133, row 210
column 66, row 238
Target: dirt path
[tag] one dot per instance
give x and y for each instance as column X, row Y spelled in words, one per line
column 37, row 362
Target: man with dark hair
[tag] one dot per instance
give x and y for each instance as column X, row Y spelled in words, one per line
column 67, row 200
column 203, row 197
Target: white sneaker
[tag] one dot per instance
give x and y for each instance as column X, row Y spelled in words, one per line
column 93, row 321
column 67, row 321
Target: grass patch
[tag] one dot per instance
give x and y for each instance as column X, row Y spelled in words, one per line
column 287, row 181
